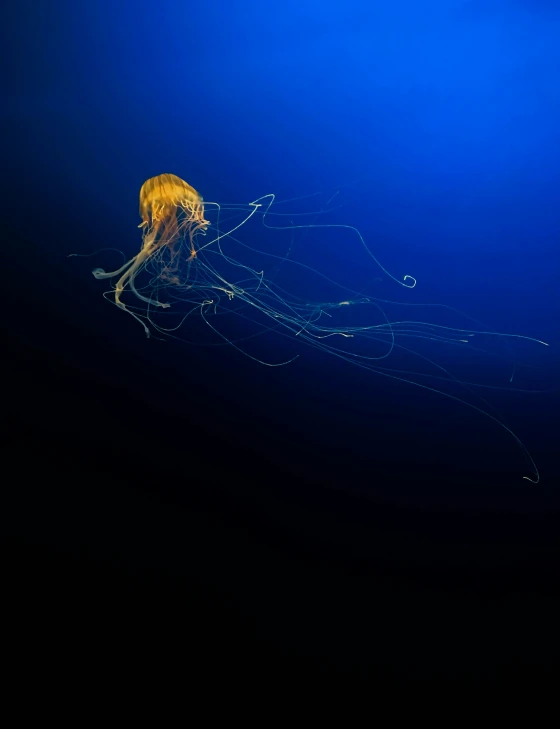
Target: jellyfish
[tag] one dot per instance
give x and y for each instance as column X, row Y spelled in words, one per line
column 170, row 210
column 188, row 264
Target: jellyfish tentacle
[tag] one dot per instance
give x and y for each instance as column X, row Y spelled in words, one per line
column 101, row 273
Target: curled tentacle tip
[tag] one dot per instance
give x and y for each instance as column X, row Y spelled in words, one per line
column 97, row 272
column 409, row 285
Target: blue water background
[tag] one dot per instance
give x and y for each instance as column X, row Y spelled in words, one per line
column 437, row 125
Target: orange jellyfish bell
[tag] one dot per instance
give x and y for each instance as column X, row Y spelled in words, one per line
column 162, row 198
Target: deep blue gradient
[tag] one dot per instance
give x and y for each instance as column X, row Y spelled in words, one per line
column 438, row 126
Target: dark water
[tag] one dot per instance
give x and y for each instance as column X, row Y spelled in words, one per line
column 317, row 513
